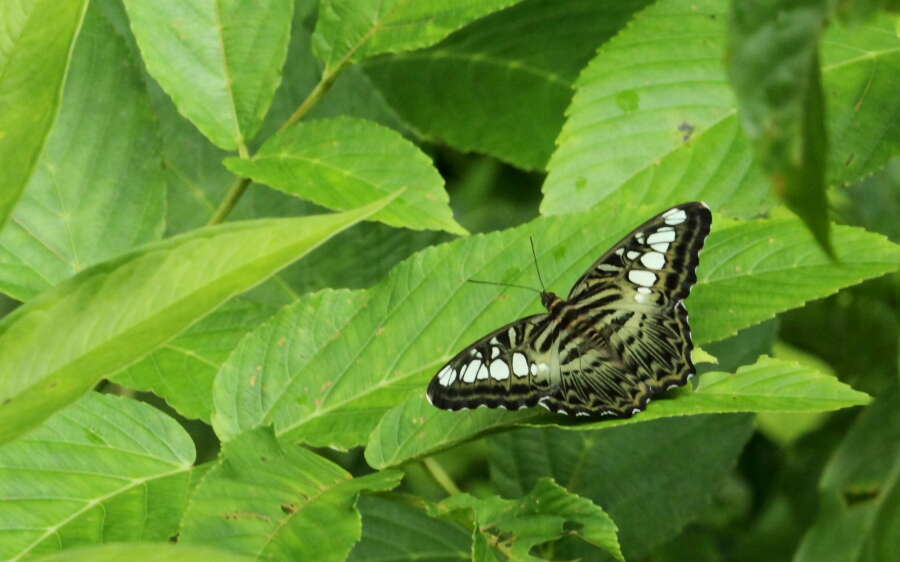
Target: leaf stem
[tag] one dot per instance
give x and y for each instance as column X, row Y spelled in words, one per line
column 440, row 476
column 231, row 198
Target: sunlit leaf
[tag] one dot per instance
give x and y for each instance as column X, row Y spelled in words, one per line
column 219, row 61
column 98, row 188
column 106, row 468
column 112, row 314
column 35, row 44
column 278, row 501
column 344, row 163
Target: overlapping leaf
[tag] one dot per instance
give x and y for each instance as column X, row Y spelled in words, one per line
column 219, row 61
column 182, row 371
column 375, row 356
column 104, row 469
column 416, row 429
column 349, row 30
column 35, row 44
column 659, row 89
column 521, row 62
column 344, row 163
column 396, row 530
column 278, row 501
column 859, row 508
column 112, row 314
column 145, row 552
column 618, row 470
column 546, row 513
column 98, row 189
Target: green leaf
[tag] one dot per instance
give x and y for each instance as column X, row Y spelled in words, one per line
column 97, row 190
column 547, row 513
column 35, row 44
column 859, row 504
column 344, row 163
column 112, row 314
column 350, row 30
column 282, row 356
column 395, row 530
column 182, row 371
column 376, row 356
column 750, row 271
column 104, row 469
column 415, row 428
column 774, row 67
column 145, row 552
column 521, row 61
column 653, row 115
column 278, row 502
column 219, row 61
column 617, row 470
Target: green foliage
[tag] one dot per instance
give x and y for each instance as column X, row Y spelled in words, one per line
column 292, row 345
column 37, row 39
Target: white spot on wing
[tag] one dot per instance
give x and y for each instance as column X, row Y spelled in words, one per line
column 607, row 267
column 661, row 236
column 641, row 277
column 632, row 255
column 660, row 247
column 533, row 369
column 482, row 372
column 520, row 365
column 494, row 341
column 467, row 374
column 495, row 351
column 653, row 260
column 620, row 251
column 446, row 376
column 676, row 217
column 499, row 370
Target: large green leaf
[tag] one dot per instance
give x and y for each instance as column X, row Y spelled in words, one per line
column 182, row 370
column 350, row 30
column 415, row 428
column 104, row 469
column 619, row 470
column 774, row 67
column 278, row 501
column 36, row 40
column 859, row 508
column 345, row 162
column 548, row 512
column 219, row 61
column 112, row 314
column 371, row 358
column 395, row 530
column 658, row 92
column 145, row 552
column 520, row 61
column 98, row 188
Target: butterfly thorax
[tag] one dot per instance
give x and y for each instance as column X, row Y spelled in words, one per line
column 551, row 301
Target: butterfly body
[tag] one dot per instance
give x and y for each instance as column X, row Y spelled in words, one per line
column 620, row 338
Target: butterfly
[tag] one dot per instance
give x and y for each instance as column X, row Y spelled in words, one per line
column 619, row 339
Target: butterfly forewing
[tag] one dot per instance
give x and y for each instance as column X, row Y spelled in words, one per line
column 621, row 337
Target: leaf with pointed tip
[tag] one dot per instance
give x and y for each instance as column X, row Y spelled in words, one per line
column 543, row 515
column 343, row 163
column 610, row 468
column 112, row 314
column 350, row 30
column 106, row 466
column 521, row 61
column 415, row 429
column 35, row 45
column 219, row 61
column 98, row 189
column 278, row 501
column 658, row 92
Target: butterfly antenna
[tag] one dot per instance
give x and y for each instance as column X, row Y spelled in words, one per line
column 534, row 254
column 502, row 284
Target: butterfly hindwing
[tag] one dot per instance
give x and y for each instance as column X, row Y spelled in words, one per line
column 621, row 338
column 498, row 371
